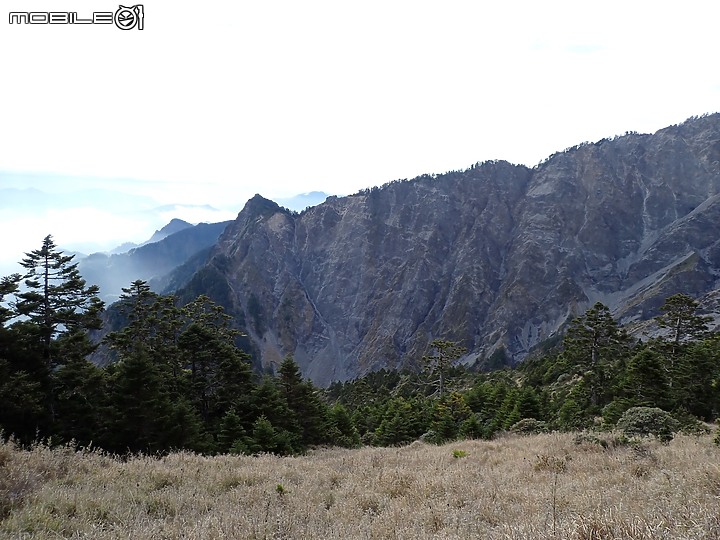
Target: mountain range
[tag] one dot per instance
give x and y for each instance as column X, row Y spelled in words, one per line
column 498, row 257
column 167, row 249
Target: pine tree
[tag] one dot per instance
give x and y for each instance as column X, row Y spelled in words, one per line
column 303, row 399
column 341, row 428
column 148, row 414
column 570, row 415
column 449, row 414
column 80, row 391
column 441, row 359
column 681, row 319
column 59, row 303
column 8, row 285
column 595, row 338
column 471, row 428
column 696, row 377
column 232, row 437
column 644, row 382
column 402, row 421
column 24, row 376
column 595, row 344
column 218, row 371
column 53, row 314
column 22, row 404
column 267, row 400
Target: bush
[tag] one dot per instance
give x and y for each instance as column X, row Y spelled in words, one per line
column 689, row 424
column 589, row 438
column 529, row 426
column 646, row 421
column 612, row 412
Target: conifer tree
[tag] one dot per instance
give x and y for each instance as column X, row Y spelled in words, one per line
column 267, row 401
column 232, row 437
column 304, row 401
column 80, row 391
column 342, row 430
column 645, row 382
column 696, row 378
column 50, row 319
column 681, row 319
column 595, row 344
column 440, row 360
column 58, row 302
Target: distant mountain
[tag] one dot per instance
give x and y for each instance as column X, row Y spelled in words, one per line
column 123, row 248
column 175, row 225
column 497, row 257
column 150, row 261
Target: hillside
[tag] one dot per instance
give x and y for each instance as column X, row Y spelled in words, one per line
column 498, row 257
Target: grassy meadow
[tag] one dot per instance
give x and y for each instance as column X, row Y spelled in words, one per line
column 534, row 487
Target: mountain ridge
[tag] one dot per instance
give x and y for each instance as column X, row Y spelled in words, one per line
column 497, row 257
column 168, row 249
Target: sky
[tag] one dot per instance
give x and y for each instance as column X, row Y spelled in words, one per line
column 215, row 101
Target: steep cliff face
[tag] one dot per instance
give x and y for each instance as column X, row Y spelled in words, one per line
column 495, row 256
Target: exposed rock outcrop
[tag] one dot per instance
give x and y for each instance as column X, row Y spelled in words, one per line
column 495, row 256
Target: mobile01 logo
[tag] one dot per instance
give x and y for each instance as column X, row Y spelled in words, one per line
column 125, row 18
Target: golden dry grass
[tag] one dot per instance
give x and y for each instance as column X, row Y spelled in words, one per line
column 537, row 487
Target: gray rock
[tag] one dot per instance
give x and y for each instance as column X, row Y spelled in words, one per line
column 495, row 256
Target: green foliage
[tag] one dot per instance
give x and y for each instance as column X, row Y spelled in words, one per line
column 644, row 382
column 645, row 421
column 304, row 402
column 612, row 412
column 695, row 377
column 401, row 423
column 438, row 362
column 472, row 428
column 681, row 319
column 529, row 426
column 44, row 327
column 267, row 438
column 689, row 424
column 458, row 454
column 80, row 389
column 571, row 416
column 594, row 338
column 57, row 301
column 22, row 403
column 342, row 432
column 232, row 437
column 448, row 416
column 593, row 345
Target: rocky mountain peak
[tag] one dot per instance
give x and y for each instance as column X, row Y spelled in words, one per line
column 497, row 257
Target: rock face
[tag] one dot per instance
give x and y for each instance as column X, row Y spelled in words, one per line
column 497, row 257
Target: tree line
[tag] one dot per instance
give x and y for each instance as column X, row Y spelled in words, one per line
column 587, row 380
column 178, row 380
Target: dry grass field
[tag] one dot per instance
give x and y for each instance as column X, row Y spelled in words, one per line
column 535, row 487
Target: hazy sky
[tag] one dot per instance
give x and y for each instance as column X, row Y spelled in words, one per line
column 216, row 100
